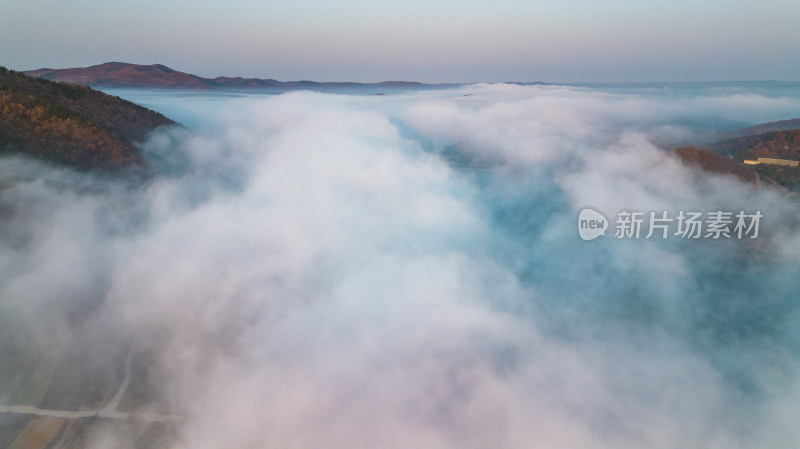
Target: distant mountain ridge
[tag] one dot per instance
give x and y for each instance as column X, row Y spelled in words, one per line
column 121, row 74
column 781, row 125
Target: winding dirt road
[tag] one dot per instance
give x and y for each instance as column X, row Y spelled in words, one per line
column 109, row 411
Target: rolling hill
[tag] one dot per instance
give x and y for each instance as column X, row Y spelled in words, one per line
column 780, row 144
column 779, row 139
column 71, row 124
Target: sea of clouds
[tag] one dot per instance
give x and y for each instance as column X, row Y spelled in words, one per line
column 311, row 270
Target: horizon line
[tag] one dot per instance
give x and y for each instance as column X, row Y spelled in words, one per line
column 452, row 83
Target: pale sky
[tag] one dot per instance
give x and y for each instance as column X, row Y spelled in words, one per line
column 430, row 41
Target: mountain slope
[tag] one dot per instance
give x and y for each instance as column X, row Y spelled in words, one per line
column 774, row 139
column 780, row 144
column 712, row 162
column 71, row 124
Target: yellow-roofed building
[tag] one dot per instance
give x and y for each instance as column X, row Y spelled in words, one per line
column 772, row 161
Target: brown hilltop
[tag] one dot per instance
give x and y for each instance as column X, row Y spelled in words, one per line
column 120, row 74
column 71, row 124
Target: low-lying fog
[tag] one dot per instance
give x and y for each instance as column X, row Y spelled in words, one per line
column 312, row 270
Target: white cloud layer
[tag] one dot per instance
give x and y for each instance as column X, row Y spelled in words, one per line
column 320, row 271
